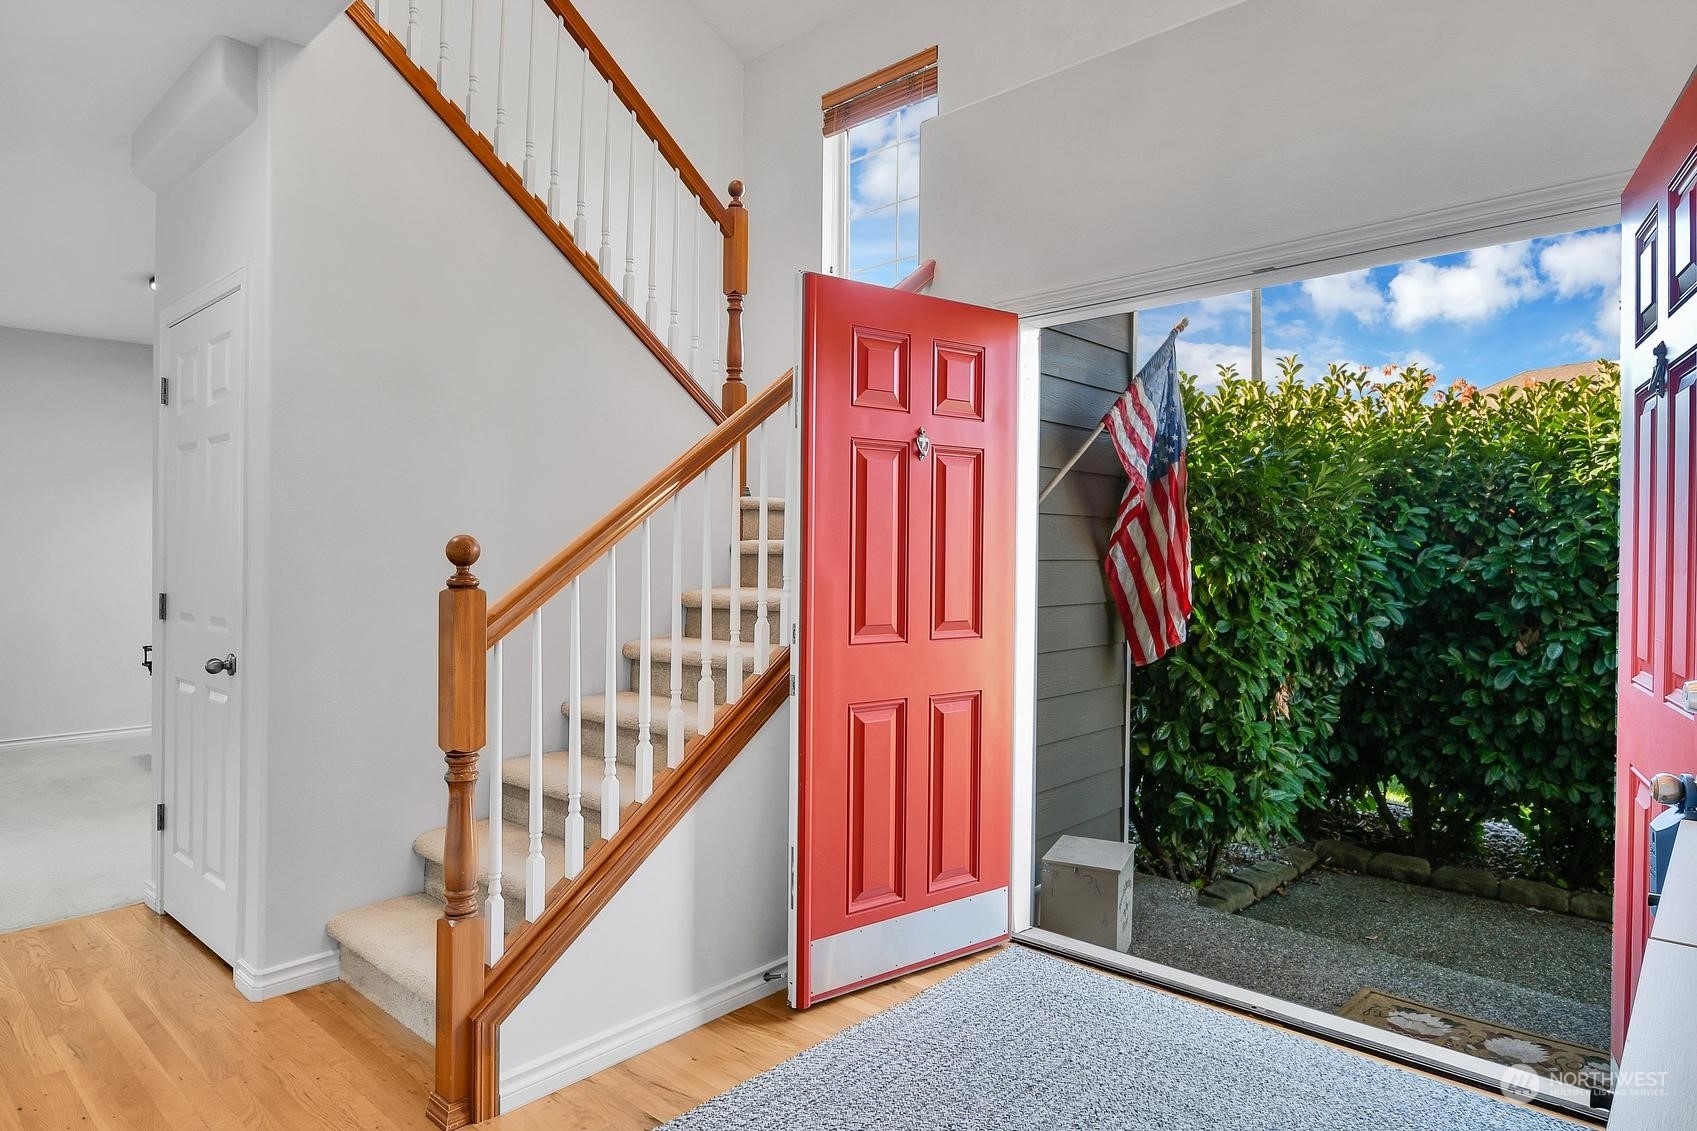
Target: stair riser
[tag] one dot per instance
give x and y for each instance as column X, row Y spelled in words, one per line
column 774, row 570
column 661, row 674
column 515, row 810
column 722, row 618
column 594, row 734
column 751, row 523
column 416, row 1013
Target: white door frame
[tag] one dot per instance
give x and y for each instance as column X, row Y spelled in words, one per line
column 236, row 282
column 1333, row 254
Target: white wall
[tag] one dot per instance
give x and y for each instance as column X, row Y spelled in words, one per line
column 686, row 940
column 76, row 499
column 437, row 367
column 1250, row 139
column 984, row 47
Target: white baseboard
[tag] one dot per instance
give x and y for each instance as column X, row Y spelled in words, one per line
column 549, row 1073
column 72, row 738
column 286, row 978
column 150, row 896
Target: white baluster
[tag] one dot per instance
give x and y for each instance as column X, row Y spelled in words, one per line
column 412, row 29
column 610, row 730
column 704, row 685
column 554, row 146
column 380, row 8
column 574, row 763
column 672, row 327
column 653, row 312
column 762, row 628
column 629, row 290
column 578, row 232
column 675, row 716
column 644, row 685
column 501, row 79
column 695, row 270
column 442, row 48
column 471, row 73
column 606, row 258
column 718, row 327
column 495, row 907
column 535, row 868
column 786, row 591
column 528, row 175
column 733, row 661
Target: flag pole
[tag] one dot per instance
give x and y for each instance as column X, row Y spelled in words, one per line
column 1091, row 439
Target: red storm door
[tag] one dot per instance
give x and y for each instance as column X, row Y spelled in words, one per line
column 1658, row 536
column 904, row 717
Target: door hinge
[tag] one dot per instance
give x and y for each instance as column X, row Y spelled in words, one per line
column 159, row 817
column 161, row 606
column 792, row 685
column 792, row 876
column 164, row 390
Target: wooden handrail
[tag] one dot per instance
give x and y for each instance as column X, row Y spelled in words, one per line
column 731, row 219
column 923, row 276
column 535, row 947
column 554, row 574
column 645, row 116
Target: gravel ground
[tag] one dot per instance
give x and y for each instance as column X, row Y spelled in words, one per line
column 1323, row 971
column 1555, row 954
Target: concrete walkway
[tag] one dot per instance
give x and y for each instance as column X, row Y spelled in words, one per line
column 1335, row 934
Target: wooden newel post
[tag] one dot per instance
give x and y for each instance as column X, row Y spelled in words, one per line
column 735, row 393
column 462, row 714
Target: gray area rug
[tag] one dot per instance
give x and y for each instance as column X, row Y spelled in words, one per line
column 1024, row 1040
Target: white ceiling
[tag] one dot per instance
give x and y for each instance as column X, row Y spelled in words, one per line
column 76, row 227
column 754, row 27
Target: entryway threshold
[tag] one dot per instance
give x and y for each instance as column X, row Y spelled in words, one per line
column 1524, row 1087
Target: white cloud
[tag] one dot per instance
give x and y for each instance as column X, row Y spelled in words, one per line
column 1352, row 293
column 1203, row 360
column 1489, row 281
column 1582, row 262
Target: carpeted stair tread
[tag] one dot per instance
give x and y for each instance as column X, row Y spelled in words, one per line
column 628, row 709
column 555, row 768
column 721, row 597
column 690, row 651
column 431, row 847
column 397, row 937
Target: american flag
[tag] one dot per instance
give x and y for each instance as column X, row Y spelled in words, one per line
column 1148, row 563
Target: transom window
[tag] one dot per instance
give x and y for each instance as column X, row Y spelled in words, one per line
column 872, row 170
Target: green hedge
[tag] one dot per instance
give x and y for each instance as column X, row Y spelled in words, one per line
column 1395, row 590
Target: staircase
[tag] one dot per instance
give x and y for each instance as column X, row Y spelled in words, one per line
column 389, row 948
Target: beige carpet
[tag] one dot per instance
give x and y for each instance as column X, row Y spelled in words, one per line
column 77, row 823
column 1485, row 1039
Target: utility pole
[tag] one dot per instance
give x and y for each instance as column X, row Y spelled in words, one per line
column 1255, row 333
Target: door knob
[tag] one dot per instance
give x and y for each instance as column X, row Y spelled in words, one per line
column 227, row 665
column 922, row 444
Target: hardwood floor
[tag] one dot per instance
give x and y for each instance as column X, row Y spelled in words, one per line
column 122, row 1020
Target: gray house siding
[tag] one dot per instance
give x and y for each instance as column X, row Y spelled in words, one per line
column 1080, row 645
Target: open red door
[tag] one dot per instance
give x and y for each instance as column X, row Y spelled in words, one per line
column 904, row 714
column 1658, row 536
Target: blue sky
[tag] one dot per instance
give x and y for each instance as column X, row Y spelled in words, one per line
column 1479, row 316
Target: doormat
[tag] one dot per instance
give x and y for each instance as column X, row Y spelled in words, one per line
column 1023, row 1041
column 1559, row 1060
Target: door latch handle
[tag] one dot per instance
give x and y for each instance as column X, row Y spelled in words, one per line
column 922, row 444
column 147, row 657
column 1659, row 375
column 226, row 665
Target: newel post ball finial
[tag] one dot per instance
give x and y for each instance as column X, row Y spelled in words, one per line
column 463, row 552
column 736, row 194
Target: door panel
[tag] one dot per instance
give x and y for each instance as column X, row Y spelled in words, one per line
column 1658, row 632
column 904, row 720
column 201, row 735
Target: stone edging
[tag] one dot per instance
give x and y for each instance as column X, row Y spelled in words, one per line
column 1257, row 881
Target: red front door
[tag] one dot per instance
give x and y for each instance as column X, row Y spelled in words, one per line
column 904, row 718
column 1658, row 536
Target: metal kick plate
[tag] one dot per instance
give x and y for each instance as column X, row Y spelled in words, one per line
column 878, row 948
